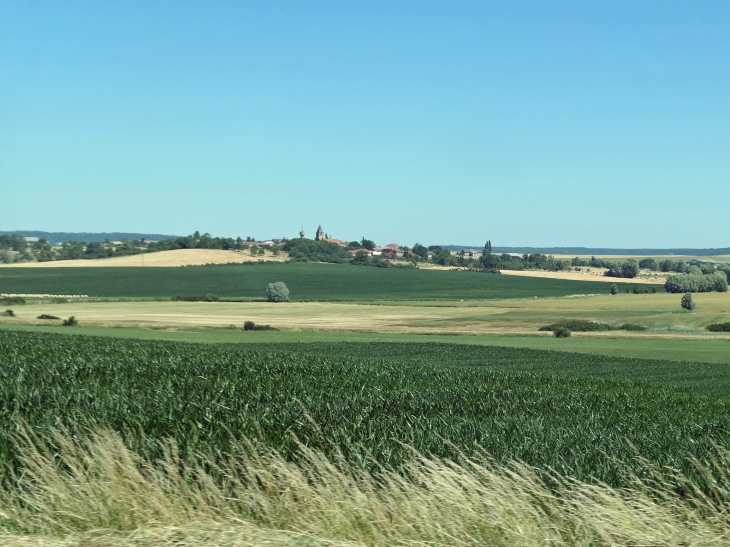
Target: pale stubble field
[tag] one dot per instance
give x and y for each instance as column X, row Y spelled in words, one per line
column 659, row 312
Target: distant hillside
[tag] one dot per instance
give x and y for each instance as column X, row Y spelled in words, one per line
column 594, row 251
column 60, row 237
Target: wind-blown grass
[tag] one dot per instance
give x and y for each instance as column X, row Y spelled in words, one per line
column 90, row 489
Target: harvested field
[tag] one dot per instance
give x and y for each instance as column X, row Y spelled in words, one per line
column 596, row 274
column 659, row 312
column 164, row 259
column 722, row 258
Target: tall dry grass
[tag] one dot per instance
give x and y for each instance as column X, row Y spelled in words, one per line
column 91, row 490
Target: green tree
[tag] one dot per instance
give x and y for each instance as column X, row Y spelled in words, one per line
column 275, row 250
column 277, row 292
column 254, row 250
column 261, row 251
column 614, row 289
column 6, row 257
column 444, row 258
column 420, row 251
column 368, row 244
column 361, row 258
column 648, row 264
column 687, row 302
column 629, row 268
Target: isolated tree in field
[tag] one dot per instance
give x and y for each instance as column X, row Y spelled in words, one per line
column 687, row 302
column 254, row 250
column 275, row 250
column 6, row 257
column 261, row 251
column 614, row 288
column 277, row 292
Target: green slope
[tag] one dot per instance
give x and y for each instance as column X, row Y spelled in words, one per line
column 323, row 282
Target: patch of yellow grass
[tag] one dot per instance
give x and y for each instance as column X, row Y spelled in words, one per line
column 92, row 490
column 179, row 257
column 596, row 274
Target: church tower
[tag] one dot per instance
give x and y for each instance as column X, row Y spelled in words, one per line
column 320, row 234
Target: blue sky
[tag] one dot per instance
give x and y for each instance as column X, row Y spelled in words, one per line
column 601, row 124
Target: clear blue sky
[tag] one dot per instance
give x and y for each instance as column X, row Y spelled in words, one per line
column 602, row 124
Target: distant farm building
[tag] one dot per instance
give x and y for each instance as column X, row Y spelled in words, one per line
column 472, row 253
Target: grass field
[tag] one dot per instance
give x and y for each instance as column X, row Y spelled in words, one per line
column 567, row 411
column 716, row 350
column 660, row 313
column 306, row 282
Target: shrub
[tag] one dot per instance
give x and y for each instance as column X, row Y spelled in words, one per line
column 250, row 325
column 719, row 327
column 6, row 257
column 633, row 327
column 305, row 250
column 277, row 292
column 9, row 313
column 628, row 269
column 562, row 332
column 12, row 300
column 577, row 325
column 196, row 298
column 690, row 283
column 46, row 316
column 614, row 289
column 70, row 322
column 59, row 300
column 687, row 302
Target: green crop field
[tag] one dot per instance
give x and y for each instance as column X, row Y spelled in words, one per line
column 572, row 412
column 307, row 282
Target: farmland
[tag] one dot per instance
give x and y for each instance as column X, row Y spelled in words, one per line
column 659, row 313
column 307, row 282
column 566, row 411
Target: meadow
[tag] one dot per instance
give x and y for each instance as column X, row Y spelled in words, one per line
column 306, row 282
column 574, row 413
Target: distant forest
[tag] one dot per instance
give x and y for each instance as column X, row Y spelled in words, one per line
column 60, row 237
column 594, row 251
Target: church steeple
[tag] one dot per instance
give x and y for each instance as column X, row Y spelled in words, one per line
column 320, row 234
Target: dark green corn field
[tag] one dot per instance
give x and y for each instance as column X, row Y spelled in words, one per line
column 306, row 282
column 571, row 412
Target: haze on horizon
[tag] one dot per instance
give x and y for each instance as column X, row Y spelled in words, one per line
column 583, row 124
